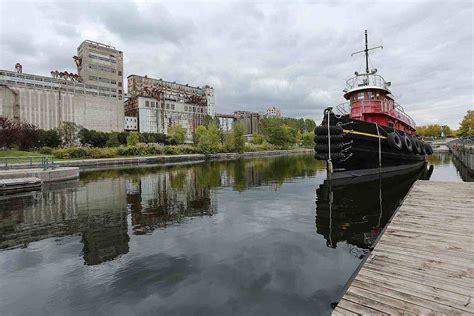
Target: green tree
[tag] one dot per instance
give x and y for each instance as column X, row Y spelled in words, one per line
column 68, row 131
column 466, row 127
column 238, row 139
column 208, row 139
column 278, row 135
column 307, row 139
column 258, row 139
column 133, row 138
column 49, row 138
column 177, row 133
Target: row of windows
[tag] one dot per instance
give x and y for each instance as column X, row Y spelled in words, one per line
column 361, row 96
column 103, row 68
column 110, row 60
column 171, row 106
column 72, row 90
column 105, row 80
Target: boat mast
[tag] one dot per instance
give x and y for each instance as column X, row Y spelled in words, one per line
column 366, row 51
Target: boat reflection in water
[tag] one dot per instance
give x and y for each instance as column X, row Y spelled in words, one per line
column 357, row 212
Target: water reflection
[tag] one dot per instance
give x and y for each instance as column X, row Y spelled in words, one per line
column 356, row 213
column 106, row 206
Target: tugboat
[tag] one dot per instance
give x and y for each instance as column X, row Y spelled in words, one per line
column 370, row 134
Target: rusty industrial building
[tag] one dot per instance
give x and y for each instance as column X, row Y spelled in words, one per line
column 159, row 105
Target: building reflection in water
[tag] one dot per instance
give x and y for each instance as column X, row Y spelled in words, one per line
column 101, row 206
column 356, row 213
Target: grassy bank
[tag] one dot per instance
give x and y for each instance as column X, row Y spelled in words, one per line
column 129, row 151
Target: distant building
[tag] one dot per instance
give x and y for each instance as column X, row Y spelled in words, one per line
column 249, row 121
column 101, row 65
column 273, row 112
column 46, row 102
column 226, row 122
column 159, row 105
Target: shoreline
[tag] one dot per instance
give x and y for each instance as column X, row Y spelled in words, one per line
column 172, row 159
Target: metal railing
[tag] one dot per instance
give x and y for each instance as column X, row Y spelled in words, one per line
column 363, row 80
column 24, row 162
column 376, row 106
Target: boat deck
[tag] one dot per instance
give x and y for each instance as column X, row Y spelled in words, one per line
column 424, row 261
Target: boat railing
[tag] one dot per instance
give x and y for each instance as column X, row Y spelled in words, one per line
column 343, row 108
column 375, row 106
column 363, row 80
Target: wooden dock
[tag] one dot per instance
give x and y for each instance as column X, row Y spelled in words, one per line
column 424, row 261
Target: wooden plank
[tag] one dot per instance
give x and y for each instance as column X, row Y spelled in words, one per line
column 358, row 309
column 388, row 300
column 405, row 299
column 424, row 262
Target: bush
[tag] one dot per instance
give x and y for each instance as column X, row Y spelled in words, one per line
column 84, row 152
column 133, row 138
column 259, row 147
column 45, row 150
column 154, row 138
column 113, row 140
column 93, row 138
column 122, row 138
column 178, row 134
column 22, row 135
column 258, row 139
column 238, row 138
column 49, row 138
column 208, row 139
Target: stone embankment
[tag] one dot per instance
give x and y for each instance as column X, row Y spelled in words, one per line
column 49, row 175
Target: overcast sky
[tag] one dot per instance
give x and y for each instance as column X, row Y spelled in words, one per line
column 291, row 54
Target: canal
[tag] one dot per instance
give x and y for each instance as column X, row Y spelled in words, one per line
column 249, row 237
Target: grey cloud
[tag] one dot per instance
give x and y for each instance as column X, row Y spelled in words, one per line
column 292, row 55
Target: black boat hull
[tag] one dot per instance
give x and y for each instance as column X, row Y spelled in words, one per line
column 364, row 148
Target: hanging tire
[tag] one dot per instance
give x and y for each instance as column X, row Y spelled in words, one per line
column 394, row 141
column 325, row 156
column 423, row 150
column 416, row 145
column 323, row 139
column 323, row 130
column 407, row 144
column 428, row 149
column 324, row 148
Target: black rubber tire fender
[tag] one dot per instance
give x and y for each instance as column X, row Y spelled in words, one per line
column 407, row 143
column 325, row 156
column 323, row 130
column 422, row 145
column 416, row 145
column 324, row 148
column 323, row 139
column 428, row 149
column 394, row 141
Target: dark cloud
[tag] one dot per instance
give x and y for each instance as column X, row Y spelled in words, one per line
column 292, row 55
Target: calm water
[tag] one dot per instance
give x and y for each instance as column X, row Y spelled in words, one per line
column 250, row 237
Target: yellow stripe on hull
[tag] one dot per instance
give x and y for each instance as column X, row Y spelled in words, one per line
column 348, row 131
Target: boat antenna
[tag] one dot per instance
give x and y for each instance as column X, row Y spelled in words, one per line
column 366, row 51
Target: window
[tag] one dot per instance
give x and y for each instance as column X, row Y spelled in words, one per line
column 172, row 106
column 390, row 124
column 120, row 91
column 361, row 96
column 370, row 95
column 147, row 104
column 119, row 73
column 167, row 106
column 185, row 107
column 119, row 84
